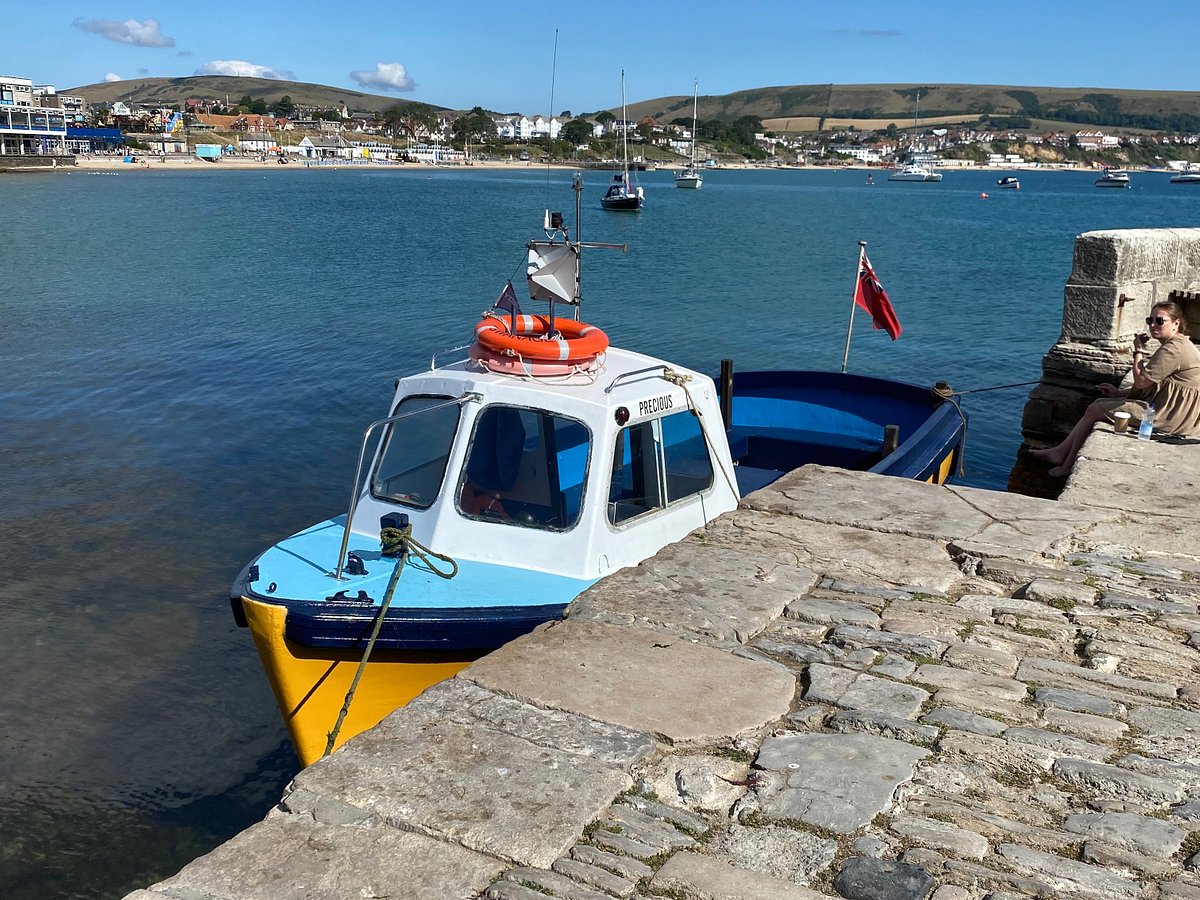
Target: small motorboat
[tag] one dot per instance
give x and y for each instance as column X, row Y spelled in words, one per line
column 504, row 481
column 1113, row 178
column 914, row 172
column 1009, row 182
column 1188, row 177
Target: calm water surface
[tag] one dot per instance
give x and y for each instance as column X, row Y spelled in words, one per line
column 187, row 360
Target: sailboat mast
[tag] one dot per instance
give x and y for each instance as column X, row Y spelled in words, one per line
column 695, row 101
column 624, row 132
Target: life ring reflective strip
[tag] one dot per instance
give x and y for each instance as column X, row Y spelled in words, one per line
column 509, row 364
column 528, row 337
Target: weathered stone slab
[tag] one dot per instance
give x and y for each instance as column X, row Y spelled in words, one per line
column 293, row 856
column 1141, row 834
column 981, row 702
column 1067, row 875
column 1058, row 593
column 883, row 725
column 554, row 883
column 595, row 876
column 984, row 821
column 628, row 868
column 1186, row 775
column 719, row 592
column 780, row 852
column 848, row 554
column 996, row 885
column 838, row 782
column 647, row 829
column 637, row 679
column 1077, row 701
column 1172, row 734
column 465, row 703
column 1060, row 744
column 681, row 818
column 832, row 612
column 1113, row 781
column 863, row 878
column 982, row 659
column 1084, row 725
column 962, row 679
column 942, row 836
column 856, row 636
column 1120, row 861
column 964, row 721
column 714, row 879
column 864, row 692
column 997, row 755
column 1034, row 669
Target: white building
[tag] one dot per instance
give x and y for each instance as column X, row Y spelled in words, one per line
column 28, row 129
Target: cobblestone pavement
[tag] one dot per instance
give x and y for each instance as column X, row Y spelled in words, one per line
column 852, row 686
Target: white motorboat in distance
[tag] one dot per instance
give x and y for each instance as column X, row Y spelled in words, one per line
column 914, row 172
column 1009, row 182
column 1186, row 178
column 1113, row 178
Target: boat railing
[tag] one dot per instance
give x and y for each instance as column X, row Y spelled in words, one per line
column 624, row 375
column 358, row 470
column 433, row 360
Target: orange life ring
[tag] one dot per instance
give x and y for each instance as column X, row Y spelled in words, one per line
column 572, row 342
column 504, row 364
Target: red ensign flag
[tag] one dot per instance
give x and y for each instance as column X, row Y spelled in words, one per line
column 870, row 296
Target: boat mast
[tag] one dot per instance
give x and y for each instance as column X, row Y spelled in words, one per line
column 624, row 133
column 695, row 100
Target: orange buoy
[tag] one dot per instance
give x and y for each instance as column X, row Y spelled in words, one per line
column 983, row 196
column 529, row 337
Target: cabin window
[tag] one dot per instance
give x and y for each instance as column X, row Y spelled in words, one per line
column 415, row 451
column 657, row 463
column 525, row 467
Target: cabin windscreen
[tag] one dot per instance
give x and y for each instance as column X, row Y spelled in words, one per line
column 657, row 463
column 525, row 467
column 412, row 462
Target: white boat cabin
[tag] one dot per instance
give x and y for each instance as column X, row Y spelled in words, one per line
column 575, row 476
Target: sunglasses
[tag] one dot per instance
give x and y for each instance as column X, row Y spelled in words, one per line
column 1156, row 320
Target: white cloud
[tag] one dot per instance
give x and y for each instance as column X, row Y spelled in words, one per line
column 243, row 69
column 131, row 31
column 386, row 77
column 112, row 76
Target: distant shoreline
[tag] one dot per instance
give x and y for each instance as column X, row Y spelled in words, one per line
column 152, row 162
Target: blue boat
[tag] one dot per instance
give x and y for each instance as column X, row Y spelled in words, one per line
column 504, row 481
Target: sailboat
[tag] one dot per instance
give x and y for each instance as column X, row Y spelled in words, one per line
column 622, row 193
column 920, row 167
column 690, row 177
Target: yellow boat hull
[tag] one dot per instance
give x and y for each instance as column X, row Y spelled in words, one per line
column 310, row 685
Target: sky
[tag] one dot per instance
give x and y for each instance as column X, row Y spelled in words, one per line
column 503, row 57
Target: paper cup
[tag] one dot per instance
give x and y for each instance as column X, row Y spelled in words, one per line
column 1121, row 422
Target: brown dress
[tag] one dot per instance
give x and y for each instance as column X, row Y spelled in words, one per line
column 1175, row 370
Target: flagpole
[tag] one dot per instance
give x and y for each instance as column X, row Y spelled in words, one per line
column 862, row 250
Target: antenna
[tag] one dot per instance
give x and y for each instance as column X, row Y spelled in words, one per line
column 550, row 116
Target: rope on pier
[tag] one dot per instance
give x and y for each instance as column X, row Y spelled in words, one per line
column 679, row 379
column 392, row 542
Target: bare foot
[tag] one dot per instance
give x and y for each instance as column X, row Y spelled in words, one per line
column 1060, row 471
column 1049, row 454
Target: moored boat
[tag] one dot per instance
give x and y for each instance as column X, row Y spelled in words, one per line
column 1188, row 177
column 690, row 177
column 1113, row 178
column 1009, row 182
column 914, row 172
column 622, row 194
column 504, row 482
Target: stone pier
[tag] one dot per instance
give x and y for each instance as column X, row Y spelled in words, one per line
column 1116, row 277
column 851, row 686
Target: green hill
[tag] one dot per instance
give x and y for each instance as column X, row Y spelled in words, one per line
column 1176, row 111
column 173, row 91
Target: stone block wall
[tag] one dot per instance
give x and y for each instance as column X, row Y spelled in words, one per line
column 1116, row 278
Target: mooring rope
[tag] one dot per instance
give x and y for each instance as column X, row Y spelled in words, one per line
column 681, row 380
column 392, row 542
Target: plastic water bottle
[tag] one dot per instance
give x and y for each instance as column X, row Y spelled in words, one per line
column 1147, row 426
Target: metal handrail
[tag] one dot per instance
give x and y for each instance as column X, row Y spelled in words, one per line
column 362, row 447
column 662, row 367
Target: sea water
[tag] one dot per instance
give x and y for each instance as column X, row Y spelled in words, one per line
column 188, row 359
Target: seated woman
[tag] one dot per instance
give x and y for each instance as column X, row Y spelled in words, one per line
column 1170, row 379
